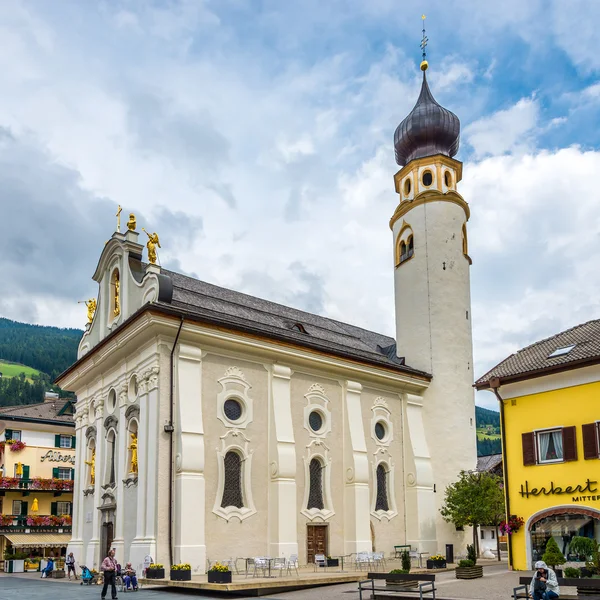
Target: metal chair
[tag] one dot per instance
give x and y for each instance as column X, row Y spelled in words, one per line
column 279, row 564
column 292, row 563
column 261, row 563
column 363, row 559
column 320, row 561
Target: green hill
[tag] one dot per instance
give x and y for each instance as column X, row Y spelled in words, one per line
column 488, row 431
column 9, row 369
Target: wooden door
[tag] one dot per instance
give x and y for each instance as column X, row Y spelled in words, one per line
column 108, row 535
column 316, row 542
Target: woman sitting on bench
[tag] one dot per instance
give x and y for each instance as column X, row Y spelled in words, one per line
column 544, row 585
column 49, row 568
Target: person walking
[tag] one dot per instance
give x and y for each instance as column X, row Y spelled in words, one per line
column 544, row 585
column 109, row 568
column 70, row 562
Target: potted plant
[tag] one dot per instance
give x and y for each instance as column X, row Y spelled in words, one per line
column 583, row 547
column 181, row 572
column 553, row 556
column 467, row 569
column 155, row 571
column 437, row 561
column 572, row 573
column 219, row 573
column 333, row 562
column 405, row 570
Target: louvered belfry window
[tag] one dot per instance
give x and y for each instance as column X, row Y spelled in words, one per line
column 382, row 491
column 315, row 493
column 232, row 488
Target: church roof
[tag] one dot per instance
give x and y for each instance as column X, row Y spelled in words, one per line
column 428, row 129
column 570, row 349
column 205, row 302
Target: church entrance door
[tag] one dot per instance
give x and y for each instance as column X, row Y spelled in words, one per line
column 107, row 538
column 316, row 542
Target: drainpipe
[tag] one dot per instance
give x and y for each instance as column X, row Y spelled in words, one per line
column 495, row 386
column 170, row 429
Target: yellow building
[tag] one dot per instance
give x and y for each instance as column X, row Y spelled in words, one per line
column 549, row 395
column 37, row 466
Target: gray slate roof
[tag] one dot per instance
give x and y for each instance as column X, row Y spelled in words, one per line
column 44, row 411
column 214, row 304
column 534, row 360
column 490, row 463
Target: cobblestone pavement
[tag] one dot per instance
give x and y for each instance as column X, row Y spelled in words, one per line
column 496, row 584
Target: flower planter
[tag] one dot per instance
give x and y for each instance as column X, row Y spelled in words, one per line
column 155, row 573
column 436, row 564
column 333, row 562
column 469, row 572
column 181, row 575
column 219, row 577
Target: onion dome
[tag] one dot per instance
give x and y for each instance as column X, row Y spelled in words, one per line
column 428, row 129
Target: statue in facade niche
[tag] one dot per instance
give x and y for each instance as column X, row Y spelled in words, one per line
column 117, row 308
column 92, row 464
column 134, row 453
column 153, row 241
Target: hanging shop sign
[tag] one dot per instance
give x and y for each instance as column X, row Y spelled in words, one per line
column 580, row 492
column 52, row 456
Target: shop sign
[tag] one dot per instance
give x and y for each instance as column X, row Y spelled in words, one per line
column 588, row 491
column 52, row 456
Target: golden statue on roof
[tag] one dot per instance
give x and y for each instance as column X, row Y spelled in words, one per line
column 91, row 306
column 131, row 224
column 153, row 241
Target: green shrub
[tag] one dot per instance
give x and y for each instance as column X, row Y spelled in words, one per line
column 405, row 556
column 398, row 572
column 582, row 546
column 466, row 563
column 572, row 573
column 471, row 553
column 553, row 556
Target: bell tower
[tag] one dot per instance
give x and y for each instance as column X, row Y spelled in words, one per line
column 433, row 307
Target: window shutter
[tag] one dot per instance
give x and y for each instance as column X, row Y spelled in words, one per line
column 569, row 436
column 8, row 434
column 528, row 449
column 72, row 473
column 55, row 473
column 25, row 471
column 590, row 440
column 73, row 441
column 54, row 508
column 24, row 508
column 57, row 440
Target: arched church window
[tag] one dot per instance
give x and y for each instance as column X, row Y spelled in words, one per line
column 315, row 494
column 232, row 488
column 403, row 252
column 411, row 247
column 382, row 502
column 111, row 442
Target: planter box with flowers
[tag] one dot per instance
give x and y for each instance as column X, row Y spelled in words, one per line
column 219, row 573
column 181, row 572
column 437, row 561
column 467, row 569
column 155, row 571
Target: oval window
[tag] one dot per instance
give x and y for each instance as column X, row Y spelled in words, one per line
column 448, row 179
column 407, row 187
column 380, row 430
column 232, row 409
column 427, row 178
column 315, row 420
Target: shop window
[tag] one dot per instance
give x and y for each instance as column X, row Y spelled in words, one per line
column 591, row 440
column 315, row 494
column 549, row 446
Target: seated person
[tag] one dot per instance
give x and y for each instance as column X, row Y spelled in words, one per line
column 129, row 577
column 544, row 585
column 49, row 568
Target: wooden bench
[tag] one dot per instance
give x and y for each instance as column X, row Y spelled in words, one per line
column 56, row 574
column 522, row 591
column 427, row 587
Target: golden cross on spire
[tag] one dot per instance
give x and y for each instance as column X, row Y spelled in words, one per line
column 424, row 40
column 118, row 215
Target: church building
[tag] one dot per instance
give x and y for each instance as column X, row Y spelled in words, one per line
column 212, row 424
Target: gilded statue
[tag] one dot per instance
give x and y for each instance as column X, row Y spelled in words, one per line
column 92, row 464
column 117, row 308
column 151, row 245
column 134, row 453
column 91, row 305
column 131, row 224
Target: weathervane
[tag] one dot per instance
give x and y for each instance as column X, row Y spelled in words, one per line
column 424, row 40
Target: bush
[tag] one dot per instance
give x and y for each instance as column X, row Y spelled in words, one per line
column 572, row 573
column 582, row 546
column 466, row 563
column 553, row 556
column 472, row 554
column 398, row 572
column 405, row 556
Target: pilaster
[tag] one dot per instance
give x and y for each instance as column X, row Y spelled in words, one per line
column 76, row 543
column 152, row 460
column 190, row 500
column 357, row 517
column 282, row 501
column 118, row 542
column 93, row 549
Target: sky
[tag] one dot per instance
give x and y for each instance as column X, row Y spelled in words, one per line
column 257, row 139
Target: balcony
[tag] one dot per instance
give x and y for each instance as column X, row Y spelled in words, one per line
column 35, row 524
column 36, row 484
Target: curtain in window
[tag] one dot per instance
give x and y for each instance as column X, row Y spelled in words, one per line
column 544, row 440
column 558, row 443
column 315, row 493
column 232, row 487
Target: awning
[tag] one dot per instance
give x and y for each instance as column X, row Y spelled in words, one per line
column 40, row 540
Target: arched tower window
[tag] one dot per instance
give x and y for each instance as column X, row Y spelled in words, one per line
column 382, row 502
column 232, row 487
column 410, row 247
column 315, row 494
column 405, row 245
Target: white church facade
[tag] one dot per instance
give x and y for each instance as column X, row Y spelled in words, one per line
column 211, row 424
